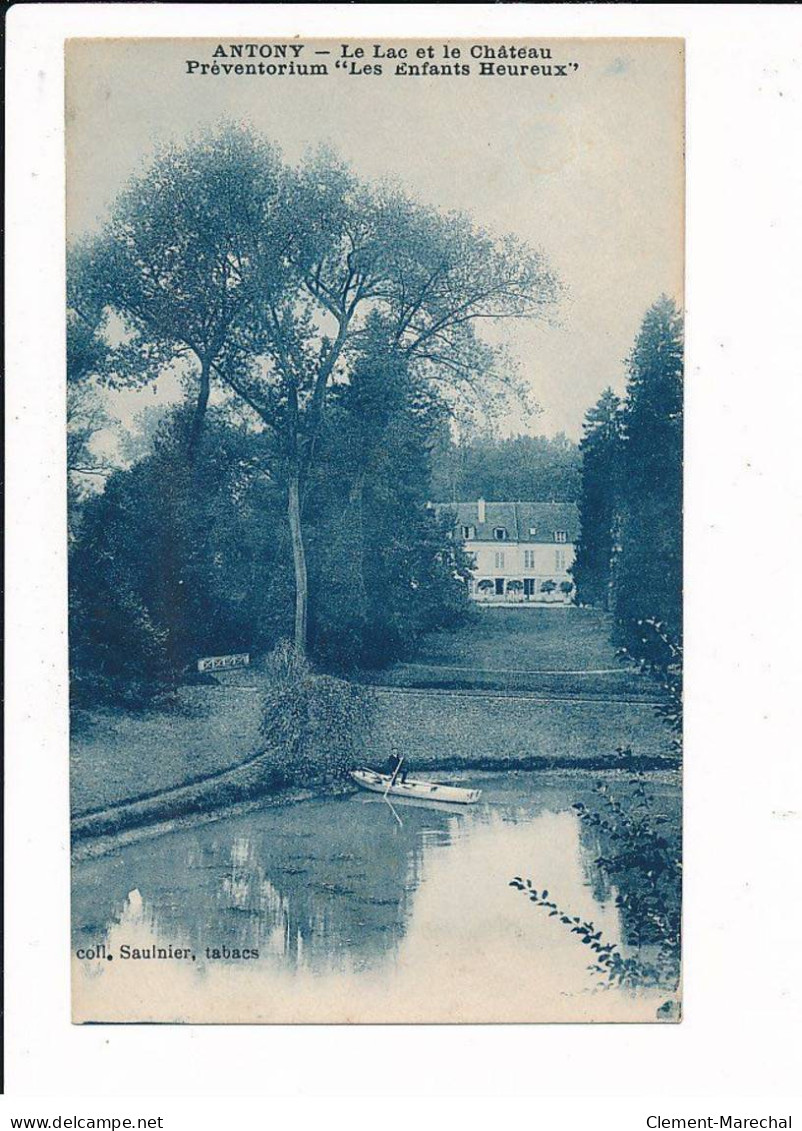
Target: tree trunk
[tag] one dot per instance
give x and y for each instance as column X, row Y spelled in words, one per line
column 200, row 408
column 356, row 497
column 298, row 561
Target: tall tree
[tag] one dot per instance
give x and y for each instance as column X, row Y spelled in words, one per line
column 647, row 570
column 173, row 262
column 360, row 250
column 87, row 360
column 383, row 569
column 171, row 555
column 293, row 261
column 598, row 502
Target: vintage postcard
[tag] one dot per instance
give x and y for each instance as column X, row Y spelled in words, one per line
column 375, row 425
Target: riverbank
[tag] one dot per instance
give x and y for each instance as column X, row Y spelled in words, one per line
column 245, row 789
column 247, row 781
column 88, row 846
column 118, row 756
column 205, row 753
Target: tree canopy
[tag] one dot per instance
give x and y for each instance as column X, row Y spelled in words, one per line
column 266, row 278
column 647, row 571
column 601, row 488
column 534, row 468
column 629, row 557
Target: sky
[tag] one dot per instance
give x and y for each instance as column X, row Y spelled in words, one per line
column 588, row 167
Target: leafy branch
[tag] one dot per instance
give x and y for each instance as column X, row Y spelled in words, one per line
column 644, row 864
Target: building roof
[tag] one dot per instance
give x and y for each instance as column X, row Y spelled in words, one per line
column 518, row 519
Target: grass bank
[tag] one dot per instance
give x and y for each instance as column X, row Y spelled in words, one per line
column 459, row 712
column 560, row 652
column 565, row 639
column 442, row 729
column 119, row 756
column 250, row 779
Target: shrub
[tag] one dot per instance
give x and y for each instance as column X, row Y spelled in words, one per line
column 173, row 562
column 639, row 854
column 660, row 655
column 566, row 587
column 548, row 586
column 313, row 724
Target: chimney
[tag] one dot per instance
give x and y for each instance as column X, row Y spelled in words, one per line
column 480, row 507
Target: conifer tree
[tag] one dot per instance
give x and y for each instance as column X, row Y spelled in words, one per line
column 647, row 569
column 601, row 454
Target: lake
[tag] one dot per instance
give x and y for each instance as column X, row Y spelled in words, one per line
column 350, row 909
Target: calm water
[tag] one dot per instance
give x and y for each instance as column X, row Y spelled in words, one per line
column 358, row 911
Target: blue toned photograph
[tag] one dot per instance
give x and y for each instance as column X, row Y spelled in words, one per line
column 374, row 439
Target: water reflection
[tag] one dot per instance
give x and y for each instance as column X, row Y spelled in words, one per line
column 357, row 911
column 318, row 880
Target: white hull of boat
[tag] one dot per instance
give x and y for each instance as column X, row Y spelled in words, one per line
column 414, row 789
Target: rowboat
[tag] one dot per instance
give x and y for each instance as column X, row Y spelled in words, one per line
column 413, row 788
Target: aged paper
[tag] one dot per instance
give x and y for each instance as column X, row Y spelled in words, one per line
column 375, row 457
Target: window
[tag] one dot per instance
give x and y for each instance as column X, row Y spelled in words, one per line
column 559, row 560
column 529, row 559
column 560, row 536
column 532, row 531
column 467, row 532
column 500, row 534
column 499, row 559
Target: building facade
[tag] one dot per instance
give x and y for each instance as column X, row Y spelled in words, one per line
column 521, row 552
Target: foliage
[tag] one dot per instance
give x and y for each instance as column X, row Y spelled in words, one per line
column 641, row 858
column 86, row 471
column 548, row 586
column 407, row 579
column 598, row 500
column 175, row 263
column 266, row 277
column 85, row 418
column 629, row 556
column 382, row 566
column 175, row 561
column 314, row 725
column 537, row 468
column 485, row 585
column 515, row 586
column 117, row 654
column 647, row 563
column 87, row 358
column 566, row 587
column 660, row 655
column 201, row 550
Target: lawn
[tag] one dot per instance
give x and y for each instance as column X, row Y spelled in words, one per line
column 118, row 756
column 570, row 698
column 433, row 729
column 560, row 651
column 538, row 639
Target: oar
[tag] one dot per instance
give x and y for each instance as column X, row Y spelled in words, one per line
column 391, row 782
column 392, row 810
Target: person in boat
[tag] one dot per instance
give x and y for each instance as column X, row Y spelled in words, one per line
column 394, row 767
